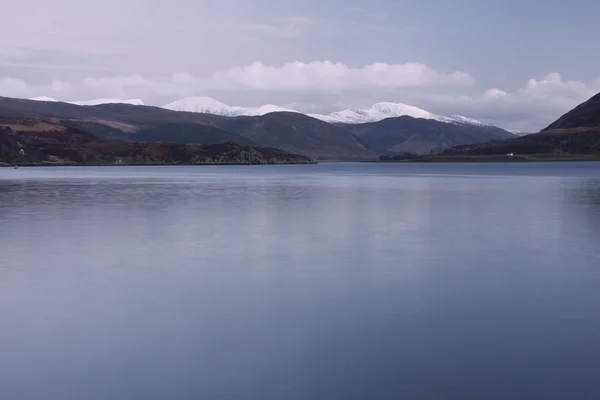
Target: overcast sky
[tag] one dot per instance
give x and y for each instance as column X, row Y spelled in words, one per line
column 517, row 64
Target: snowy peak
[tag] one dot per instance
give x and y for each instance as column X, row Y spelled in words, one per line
column 94, row 102
column 461, row 120
column 269, row 108
column 380, row 111
column 43, row 98
column 207, row 105
column 200, row 104
column 377, row 112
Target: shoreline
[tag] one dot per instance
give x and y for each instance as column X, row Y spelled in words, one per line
column 488, row 159
column 30, row 165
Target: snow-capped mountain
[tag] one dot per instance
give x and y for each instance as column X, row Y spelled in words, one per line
column 377, row 112
column 42, row 98
column 201, row 104
column 381, row 111
column 460, row 119
column 94, row 102
column 207, row 105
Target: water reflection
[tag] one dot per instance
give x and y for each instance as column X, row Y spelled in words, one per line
column 341, row 281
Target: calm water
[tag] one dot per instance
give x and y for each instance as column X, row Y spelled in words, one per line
column 334, row 281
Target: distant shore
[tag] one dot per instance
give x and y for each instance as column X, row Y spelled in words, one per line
column 48, row 164
column 491, row 158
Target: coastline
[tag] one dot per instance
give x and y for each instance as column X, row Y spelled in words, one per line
column 50, row 164
column 484, row 159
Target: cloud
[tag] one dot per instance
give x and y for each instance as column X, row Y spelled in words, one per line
column 12, row 86
column 529, row 108
column 59, row 86
column 118, row 86
column 287, row 27
column 368, row 14
column 327, row 76
column 300, row 20
column 182, row 77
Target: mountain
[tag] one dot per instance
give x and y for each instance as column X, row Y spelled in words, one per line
column 584, row 117
column 43, row 98
column 574, row 136
column 381, row 111
column 200, row 104
column 377, row 112
column 26, row 141
column 299, row 133
column 419, row 132
column 290, row 131
column 418, row 135
column 293, row 132
column 94, row 102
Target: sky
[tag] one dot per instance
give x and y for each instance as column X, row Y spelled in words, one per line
column 516, row 64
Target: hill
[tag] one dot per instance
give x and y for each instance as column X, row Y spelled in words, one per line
column 292, row 132
column 384, row 110
column 418, row 135
column 207, row 105
column 574, row 136
column 181, row 132
column 300, row 134
column 27, row 141
column 584, row 117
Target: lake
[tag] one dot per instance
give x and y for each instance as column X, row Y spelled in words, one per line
column 330, row 281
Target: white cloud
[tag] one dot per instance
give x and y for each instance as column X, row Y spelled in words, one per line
column 300, row 20
column 59, row 86
column 118, row 86
column 12, row 86
column 493, row 93
column 530, row 108
column 182, row 77
column 368, row 14
column 327, row 76
column 288, row 27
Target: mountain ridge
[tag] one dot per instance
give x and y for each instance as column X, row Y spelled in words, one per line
column 405, row 134
column 93, row 102
column 377, row 112
column 574, row 136
column 290, row 131
column 585, row 115
column 26, row 141
column 295, row 133
column 208, row 105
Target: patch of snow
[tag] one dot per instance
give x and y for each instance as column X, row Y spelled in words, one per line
column 42, row 98
column 207, row 105
column 377, row 112
column 460, row 119
column 380, row 111
column 200, row 104
column 95, row 102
